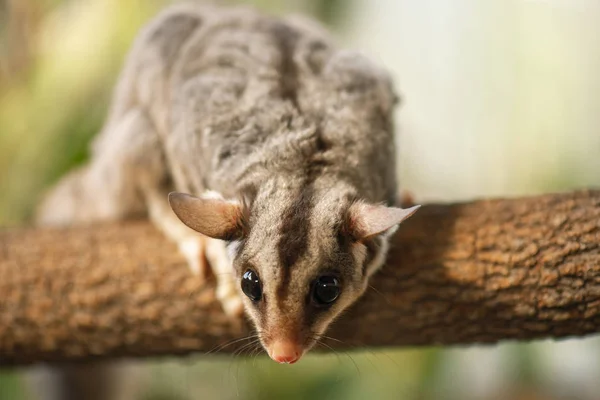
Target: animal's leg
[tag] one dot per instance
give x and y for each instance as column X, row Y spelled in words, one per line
column 191, row 244
column 227, row 291
column 201, row 252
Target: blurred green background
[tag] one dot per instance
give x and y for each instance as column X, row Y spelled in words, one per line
column 499, row 99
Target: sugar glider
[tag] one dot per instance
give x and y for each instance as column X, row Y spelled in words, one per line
column 265, row 152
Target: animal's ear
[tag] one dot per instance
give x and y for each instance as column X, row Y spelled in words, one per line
column 210, row 214
column 366, row 220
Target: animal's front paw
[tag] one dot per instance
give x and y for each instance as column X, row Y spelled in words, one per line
column 206, row 256
column 194, row 251
column 230, row 298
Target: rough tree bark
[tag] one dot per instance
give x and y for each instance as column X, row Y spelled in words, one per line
column 458, row 274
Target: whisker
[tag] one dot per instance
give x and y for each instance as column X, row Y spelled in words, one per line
column 329, row 348
column 353, row 362
column 381, row 294
column 257, row 350
column 255, row 353
column 229, row 343
column 338, row 375
column 248, row 347
column 364, row 349
column 252, row 352
column 237, row 353
column 345, row 353
column 334, row 339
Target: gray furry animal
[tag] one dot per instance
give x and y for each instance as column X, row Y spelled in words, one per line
column 284, row 146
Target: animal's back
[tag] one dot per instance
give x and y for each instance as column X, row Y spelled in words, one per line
column 233, row 96
column 237, row 96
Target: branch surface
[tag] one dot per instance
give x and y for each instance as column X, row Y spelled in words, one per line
column 468, row 273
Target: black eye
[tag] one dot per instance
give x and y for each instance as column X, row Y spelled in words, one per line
column 326, row 290
column 251, row 285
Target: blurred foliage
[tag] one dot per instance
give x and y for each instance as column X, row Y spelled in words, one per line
column 10, row 386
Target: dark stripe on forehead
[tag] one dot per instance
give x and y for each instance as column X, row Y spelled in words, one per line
column 294, row 230
column 293, row 241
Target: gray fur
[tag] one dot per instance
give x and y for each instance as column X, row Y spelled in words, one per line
column 255, row 108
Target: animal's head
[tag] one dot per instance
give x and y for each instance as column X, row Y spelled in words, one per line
column 300, row 257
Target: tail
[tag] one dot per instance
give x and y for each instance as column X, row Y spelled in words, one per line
column 62, row 205
column 89, row 194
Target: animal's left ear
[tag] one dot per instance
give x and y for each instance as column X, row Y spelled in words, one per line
column 367, row 220
column 210, row 215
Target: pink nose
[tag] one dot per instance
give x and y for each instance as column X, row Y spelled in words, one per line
column 285, row 351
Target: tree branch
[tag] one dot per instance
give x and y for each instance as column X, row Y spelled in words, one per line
column 466, row 273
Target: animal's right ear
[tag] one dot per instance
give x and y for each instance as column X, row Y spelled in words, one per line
column 210, row 214
column 367, row 220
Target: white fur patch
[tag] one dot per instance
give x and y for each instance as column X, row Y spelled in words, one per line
column 227, row 291
column 379, row 258
column 230, row 298
column 211, row 194
column 391, row 231
column 191, row 248
column 233, row 248
column 214, row 195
